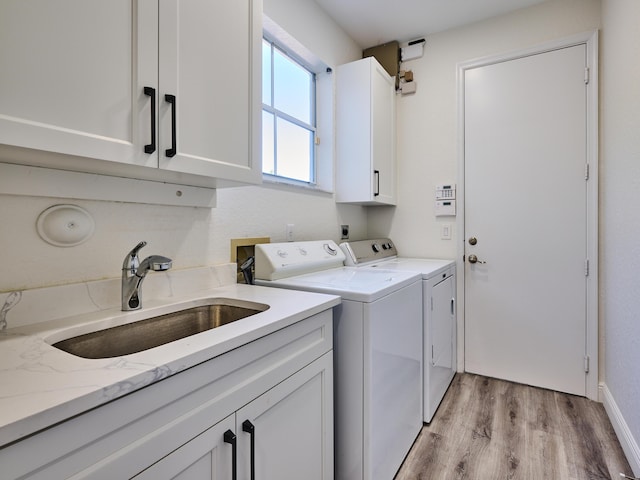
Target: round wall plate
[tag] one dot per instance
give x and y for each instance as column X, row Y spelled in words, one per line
column 65, row 225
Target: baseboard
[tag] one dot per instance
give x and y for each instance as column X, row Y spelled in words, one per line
column 628, row 443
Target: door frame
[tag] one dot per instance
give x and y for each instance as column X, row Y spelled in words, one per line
column 590, row 40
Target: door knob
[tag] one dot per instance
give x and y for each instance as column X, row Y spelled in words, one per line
column 473, row 240
column 474, row 259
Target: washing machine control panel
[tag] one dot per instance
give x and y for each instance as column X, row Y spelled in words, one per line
column 281, row 260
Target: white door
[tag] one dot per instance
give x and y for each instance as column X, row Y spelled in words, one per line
column 525, row 216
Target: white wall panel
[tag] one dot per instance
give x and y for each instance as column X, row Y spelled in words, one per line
column 620, row 218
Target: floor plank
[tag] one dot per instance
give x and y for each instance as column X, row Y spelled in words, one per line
column 493, row 429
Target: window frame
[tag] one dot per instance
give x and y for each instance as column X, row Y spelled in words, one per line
column 279, row 114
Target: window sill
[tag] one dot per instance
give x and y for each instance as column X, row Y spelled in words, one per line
column 277, row 182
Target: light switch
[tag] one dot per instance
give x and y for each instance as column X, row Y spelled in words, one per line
column 446, row 231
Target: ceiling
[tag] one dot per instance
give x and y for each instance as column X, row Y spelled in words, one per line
column 374, row 22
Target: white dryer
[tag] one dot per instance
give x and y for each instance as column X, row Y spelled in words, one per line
column 377, row 351
column 439, row 310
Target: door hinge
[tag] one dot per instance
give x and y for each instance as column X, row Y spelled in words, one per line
column 586, row 171
column 586, row 267
column 586, row 76
column 586, row 364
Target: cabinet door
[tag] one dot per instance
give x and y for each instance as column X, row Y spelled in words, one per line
column 365, row 134
column 72, row 77
column 210, row 61
column 383, row 137
column 292, row 427
column 206, row 457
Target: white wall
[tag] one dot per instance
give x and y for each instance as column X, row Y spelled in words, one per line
column 427, row 120
column 620, row 210
column 191, row 236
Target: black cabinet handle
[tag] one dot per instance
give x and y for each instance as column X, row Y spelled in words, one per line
column 171, row 152
column 151, row 92
column 377, row 174
column 230, row 437
column 248, row 427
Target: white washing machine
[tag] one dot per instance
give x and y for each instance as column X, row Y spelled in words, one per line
column 439, row 310
column 377, row 351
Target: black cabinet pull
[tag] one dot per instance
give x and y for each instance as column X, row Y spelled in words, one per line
column 151, row 92
column 171, row 152
column 248, row 427
column 230, row 437
column 377, row 174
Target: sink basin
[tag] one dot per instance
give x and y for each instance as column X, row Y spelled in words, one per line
column 152, row 332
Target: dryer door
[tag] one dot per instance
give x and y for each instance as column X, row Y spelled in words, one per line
column 439, row 341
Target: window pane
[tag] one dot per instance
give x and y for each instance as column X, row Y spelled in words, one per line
column 294, row 151
column 292, row 87
column 266, row 72
column 268, row 165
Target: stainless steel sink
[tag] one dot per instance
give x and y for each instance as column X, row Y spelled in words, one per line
column 152, row 332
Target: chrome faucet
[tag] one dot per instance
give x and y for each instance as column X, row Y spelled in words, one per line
column 134, row 272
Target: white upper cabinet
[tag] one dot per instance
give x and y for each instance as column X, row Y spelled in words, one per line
column 210, row 60
column 365, row 134
column 89, row 79
column 69, row 74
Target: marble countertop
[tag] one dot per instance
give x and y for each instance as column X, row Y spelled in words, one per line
column 41, row 385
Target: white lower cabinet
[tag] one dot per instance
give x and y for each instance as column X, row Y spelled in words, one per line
column 279, row 435
column 261, row 411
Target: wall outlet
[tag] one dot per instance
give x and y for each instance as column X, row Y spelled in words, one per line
column 344, row 232
column 289, row 232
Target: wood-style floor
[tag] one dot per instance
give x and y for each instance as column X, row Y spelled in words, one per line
column 488, row 429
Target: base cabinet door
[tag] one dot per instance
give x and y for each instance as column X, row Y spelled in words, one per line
column 209, row 456
column 287, row 433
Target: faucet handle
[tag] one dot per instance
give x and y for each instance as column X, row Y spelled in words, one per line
column 131, row 260
column 137, row 248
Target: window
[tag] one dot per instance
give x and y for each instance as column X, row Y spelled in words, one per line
column 288, row 116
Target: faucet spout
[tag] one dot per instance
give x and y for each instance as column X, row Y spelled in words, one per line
column 134, row 272
column 157, row 263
